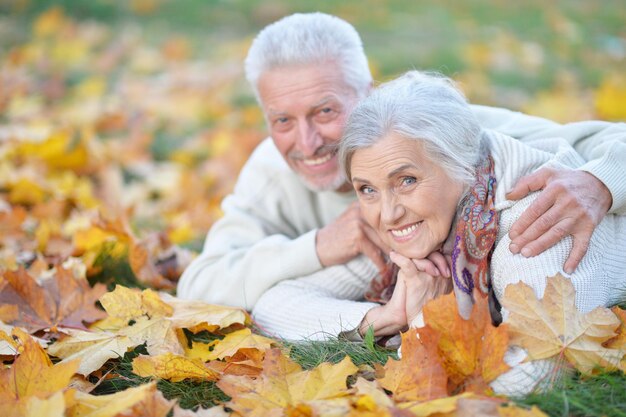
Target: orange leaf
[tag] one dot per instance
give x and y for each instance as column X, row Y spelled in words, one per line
column 59, row 301
column 472, row 351
column 419, row 374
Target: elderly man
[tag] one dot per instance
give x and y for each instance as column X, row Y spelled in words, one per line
column 292, row 244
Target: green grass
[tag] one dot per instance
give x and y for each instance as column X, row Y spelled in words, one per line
column 602, row 395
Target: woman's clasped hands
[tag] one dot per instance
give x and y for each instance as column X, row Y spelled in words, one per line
column 418, row 281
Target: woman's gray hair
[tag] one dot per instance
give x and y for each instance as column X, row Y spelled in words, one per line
column 311, row 38
column 425, row 107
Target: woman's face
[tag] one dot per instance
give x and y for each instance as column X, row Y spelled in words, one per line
column 408, row 199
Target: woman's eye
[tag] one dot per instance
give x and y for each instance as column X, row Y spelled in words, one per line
column 408, row 180
column 364, row 189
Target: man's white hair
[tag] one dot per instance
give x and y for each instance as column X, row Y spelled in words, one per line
column 311, row 38
column 423, row 107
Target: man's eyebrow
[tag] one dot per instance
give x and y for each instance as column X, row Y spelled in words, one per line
column 323, row 101
column 357, row 179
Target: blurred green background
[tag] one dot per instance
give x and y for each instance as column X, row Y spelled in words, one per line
column 144, row 101
column 549, row 58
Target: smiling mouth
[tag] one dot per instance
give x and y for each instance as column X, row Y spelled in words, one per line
column 406, row 231
column 318, row 161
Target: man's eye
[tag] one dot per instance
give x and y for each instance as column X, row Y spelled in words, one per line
column 326, row 110
column 281, row 120
column 408, row 180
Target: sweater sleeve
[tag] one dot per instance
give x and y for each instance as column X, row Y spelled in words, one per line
column 317, row 306
column 601, row 144
column 251, row 248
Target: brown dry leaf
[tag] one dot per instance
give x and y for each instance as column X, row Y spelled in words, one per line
column 419, row 374
column 59, row 301
column 198, row 316
column 283, row 384
column 230, row 345
column 31, row 375
column 472, row 351
column 553, row 326
column 173, row 367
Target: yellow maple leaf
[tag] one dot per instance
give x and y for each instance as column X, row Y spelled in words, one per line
column 53, row 406
column 198, row 316
column 284, row 385
column 129, row 304
column 229, row 346
column 173, row 367
column 31, row 375
column 553, row 326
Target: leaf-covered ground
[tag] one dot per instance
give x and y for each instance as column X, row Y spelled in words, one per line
column 122, row 126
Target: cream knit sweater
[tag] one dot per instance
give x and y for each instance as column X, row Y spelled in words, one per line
column 261, row 254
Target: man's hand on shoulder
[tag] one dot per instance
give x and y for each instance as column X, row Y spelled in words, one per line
column 347, row 237
column 571, row 203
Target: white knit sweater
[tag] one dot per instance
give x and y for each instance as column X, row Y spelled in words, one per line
column 261, row 254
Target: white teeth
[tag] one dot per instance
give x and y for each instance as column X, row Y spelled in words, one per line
column 318, row 161
column 404, row 232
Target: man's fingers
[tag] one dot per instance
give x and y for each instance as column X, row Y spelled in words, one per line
column 543, row 218
column 581, row 244
column 530, row 216
column 548, row 239
column 529, row 183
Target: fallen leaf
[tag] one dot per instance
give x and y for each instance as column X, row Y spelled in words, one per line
column 59, row 301
column 472, row 351
column 54, row 406
column 130, row 304
column 93, row 349
column 172, row 367
column 513, row 411
column 31, row 375
column 419, row 374
column 553, row 326
column 198, row 316
column 87, row 405
column 283, row 384
column 230, row 345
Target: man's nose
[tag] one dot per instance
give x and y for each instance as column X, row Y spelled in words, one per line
column 392, row 209
column 309, row 139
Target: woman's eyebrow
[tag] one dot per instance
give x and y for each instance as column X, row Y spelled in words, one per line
column 400, row 169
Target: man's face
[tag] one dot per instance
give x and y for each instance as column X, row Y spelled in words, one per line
column 306, row 109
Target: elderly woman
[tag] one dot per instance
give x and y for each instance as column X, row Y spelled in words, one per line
column 429, row 179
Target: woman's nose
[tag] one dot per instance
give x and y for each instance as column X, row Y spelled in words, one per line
column 392, row 209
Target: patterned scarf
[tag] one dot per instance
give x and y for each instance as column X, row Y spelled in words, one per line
column 471, row 245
